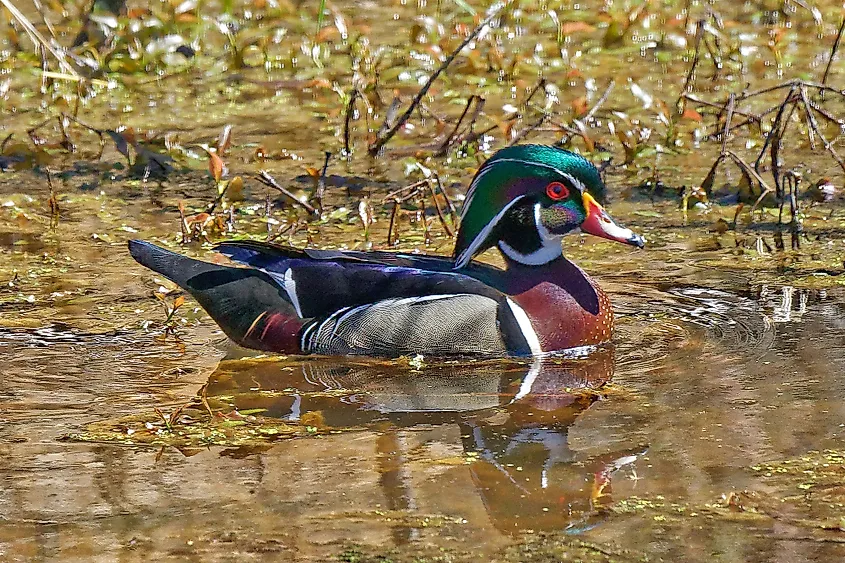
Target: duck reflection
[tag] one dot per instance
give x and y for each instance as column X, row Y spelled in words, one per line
column 513, row 418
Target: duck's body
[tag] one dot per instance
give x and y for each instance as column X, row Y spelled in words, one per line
column 385, row 304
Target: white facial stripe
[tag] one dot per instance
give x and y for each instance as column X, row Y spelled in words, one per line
column 465, row 256
column 549, row 250
column 525, row 328
column 485, row 169
column 578, row 184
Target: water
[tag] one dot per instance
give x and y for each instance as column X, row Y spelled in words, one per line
column 710, row 429
column 702, row 385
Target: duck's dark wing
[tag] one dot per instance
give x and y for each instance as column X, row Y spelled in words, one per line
column 321, row 282
column 290, row 300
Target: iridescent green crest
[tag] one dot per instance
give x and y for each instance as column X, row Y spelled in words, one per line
column 507, row 179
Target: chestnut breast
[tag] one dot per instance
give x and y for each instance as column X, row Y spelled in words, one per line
column 567, row 309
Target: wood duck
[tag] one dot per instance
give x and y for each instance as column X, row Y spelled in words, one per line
column 522, row 200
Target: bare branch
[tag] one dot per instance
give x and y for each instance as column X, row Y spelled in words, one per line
column 381, row 140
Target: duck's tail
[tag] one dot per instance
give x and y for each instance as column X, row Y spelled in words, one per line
column 250, row 307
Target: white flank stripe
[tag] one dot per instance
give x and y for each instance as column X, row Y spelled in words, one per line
column 332, row 317
column 465, row 256
column 307, row 337
column 290, row 289
column 404, row 300
column 526, row 329
column 392, row 302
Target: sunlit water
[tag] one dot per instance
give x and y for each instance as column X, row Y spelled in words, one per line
column 469, row 458
column 646, row 448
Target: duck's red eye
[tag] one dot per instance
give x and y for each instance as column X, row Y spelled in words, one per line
column 557, row 191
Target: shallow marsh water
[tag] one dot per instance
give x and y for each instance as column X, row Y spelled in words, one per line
column 711, row 429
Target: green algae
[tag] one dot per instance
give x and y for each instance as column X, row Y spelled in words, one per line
column 195, row 429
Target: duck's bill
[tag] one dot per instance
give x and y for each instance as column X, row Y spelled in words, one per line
column 600, row 224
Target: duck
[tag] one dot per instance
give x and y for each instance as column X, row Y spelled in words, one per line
column 522, row 201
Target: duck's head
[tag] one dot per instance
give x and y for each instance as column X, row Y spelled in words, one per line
column 526, row 197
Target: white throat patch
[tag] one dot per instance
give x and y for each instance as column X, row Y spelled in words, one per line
column 549, row 250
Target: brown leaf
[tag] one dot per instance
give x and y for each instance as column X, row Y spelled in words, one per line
column 579, row 106
column 569, row 28
column 691, row 114
column 326, row 33
column 178, row 302
column 215, row 166
column 200, row 218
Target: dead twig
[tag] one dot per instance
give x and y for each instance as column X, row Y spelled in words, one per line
column 389, row 117
column 541, row 84
column 833, row 53
column 602, row 99
column 447, row 142
column 392, row 223
column 779, row 134
column 527, row 130
column 265, row 178
column 381, row 140
column 699, row 34
column 730, row 116
column 39, row 39
column 437, row 208
column 449, row 205
column 776, row 126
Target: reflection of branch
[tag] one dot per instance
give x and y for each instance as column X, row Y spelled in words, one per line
column 833, row 51
column 815, row 127
column 753, row 173
column 382, row 139
column 699, row 33
column 350, row 109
